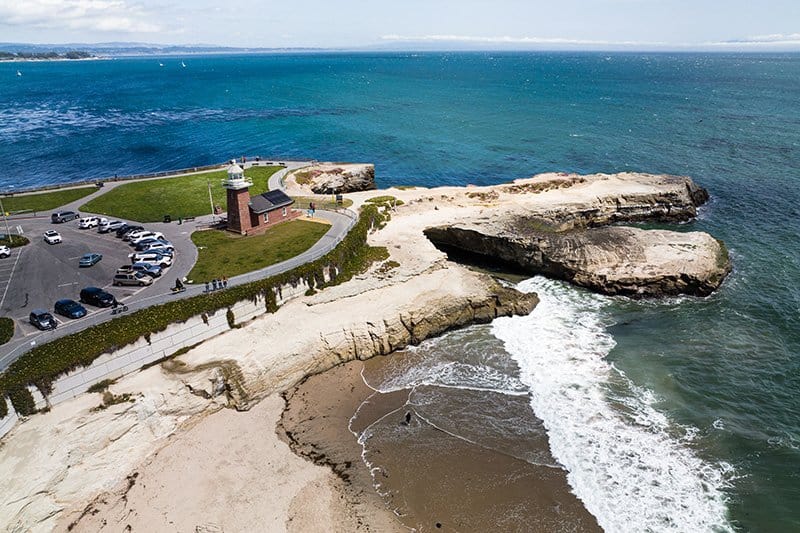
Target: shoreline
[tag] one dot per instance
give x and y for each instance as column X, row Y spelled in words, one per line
column 57, row 462
column 434, row 481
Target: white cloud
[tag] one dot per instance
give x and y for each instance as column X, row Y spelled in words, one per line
column 775, row 38
column 506, row 40
column 98, row 15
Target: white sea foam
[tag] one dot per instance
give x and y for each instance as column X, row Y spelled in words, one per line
column 626, row 465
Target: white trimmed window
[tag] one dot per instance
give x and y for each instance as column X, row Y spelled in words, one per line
column 266, row 216
column 284, row 211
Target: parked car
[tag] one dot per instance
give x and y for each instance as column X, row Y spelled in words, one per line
column 154, row 271
column 90, row 259
column 127, row 228
column 52, row 237
column 152, row 258
column 5, row 251
column 42, row 319
column 139, row 246
column 63, row 216
column 112, row 225
column 132, row 278
column 97, row 297
column 91, row 222
column 134, row 233
column 70, row 308
column 146, row 235
column 159, row 247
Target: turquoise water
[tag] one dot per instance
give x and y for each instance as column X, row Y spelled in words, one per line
column 725, row 369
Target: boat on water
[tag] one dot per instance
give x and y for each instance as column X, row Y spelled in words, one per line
column 19, row 73
column 183, row 64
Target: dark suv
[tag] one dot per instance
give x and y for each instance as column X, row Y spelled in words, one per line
column 127, row 228
column 42, row 319
column 63, row 216
column 97, row 297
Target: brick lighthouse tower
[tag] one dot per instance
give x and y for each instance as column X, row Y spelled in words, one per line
column 238, row 200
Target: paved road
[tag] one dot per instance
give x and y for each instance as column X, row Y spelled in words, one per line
column 341, row 222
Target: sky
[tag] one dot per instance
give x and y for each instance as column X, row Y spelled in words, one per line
column 440, row 24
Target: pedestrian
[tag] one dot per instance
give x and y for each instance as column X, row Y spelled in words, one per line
column 214, row 284
column 224, row 282
column 206, row 286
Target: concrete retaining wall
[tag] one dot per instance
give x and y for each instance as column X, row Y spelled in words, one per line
column 8, row 422
column 133, row 357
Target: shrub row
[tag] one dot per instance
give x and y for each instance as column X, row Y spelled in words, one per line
column 45, row 363
column 6, row 329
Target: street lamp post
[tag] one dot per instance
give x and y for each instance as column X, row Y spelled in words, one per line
column 5, row 219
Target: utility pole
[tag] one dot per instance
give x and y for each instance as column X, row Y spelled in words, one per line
column 210, row 199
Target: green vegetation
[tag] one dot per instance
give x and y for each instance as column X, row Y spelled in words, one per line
column 326, row 202
column 14, row 241
column 22, row 400
column 100, row 386
column 109, row 399
column 386, row 201
column 45, row 363
column 179, row 197
column 44, row 201
column 6, row 329
column 221, row 253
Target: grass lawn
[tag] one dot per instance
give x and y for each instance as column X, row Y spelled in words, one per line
column 6, row 329
column 185, row 196
column 44, row 201
column 327, row 202
column 221, row 253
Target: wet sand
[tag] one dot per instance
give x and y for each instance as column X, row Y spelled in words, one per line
column 429, row 479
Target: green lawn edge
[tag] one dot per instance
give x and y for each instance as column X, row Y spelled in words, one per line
column 178, row 196
column 45, row 363
column 222, row 253
column 45, row 201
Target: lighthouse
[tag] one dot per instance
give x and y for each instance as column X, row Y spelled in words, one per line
column 238, row 188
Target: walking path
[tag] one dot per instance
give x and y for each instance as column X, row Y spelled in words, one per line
column 341, row 222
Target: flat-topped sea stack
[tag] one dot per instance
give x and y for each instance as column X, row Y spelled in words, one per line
column 335, row 178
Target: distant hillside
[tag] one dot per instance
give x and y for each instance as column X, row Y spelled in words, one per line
column 72, row 54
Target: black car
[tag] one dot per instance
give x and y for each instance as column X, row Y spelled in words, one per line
column 124, row 230
column 97, row 297
column 63, row 216
column 70, row 308
column 42, row 319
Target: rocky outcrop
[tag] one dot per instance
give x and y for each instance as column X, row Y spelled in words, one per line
column 667, row 199
column 611, row 260
column 337, row 178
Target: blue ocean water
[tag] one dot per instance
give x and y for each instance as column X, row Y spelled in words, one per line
column 727, row 366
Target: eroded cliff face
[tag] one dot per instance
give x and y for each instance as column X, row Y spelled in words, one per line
column 336, row 178
column 576, row 242
column 610, row 260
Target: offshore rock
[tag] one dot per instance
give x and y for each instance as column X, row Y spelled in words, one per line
column 611, row 260
column 333, row 178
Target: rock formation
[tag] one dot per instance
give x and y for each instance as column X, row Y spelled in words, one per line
column 329, row 178
column 610, row 260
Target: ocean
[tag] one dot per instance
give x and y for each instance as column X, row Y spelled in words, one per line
column 677, row 414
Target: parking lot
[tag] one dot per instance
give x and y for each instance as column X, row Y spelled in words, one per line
column 39, row 274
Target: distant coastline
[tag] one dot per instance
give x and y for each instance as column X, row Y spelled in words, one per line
column 78, row 55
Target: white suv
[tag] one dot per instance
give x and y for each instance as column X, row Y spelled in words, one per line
column 52, row 237
column 91, row 222
column 146, row 235
column 5, row 251
column 151, row 258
